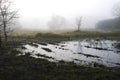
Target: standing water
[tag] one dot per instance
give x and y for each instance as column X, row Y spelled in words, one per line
column 81, row 52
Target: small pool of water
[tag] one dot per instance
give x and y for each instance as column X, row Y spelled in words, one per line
column 81, row 52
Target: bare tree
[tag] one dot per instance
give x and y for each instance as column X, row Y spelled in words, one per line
column 78, row 23
column 56, row 22
column 6, row 15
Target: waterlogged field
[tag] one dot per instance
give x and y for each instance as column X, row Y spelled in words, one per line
column 66, row 56
column 83, row 52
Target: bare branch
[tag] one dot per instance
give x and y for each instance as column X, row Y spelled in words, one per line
column 12, row 16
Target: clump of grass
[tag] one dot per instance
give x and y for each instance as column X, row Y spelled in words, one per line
column 98, row 65
column 43, row 43
column 33, row 44
column 23, row 47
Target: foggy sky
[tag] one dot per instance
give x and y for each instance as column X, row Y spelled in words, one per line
column 35, row 14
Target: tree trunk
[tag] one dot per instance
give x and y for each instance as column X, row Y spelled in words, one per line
column 5, row 33
column 0, row 41
column 78, row 28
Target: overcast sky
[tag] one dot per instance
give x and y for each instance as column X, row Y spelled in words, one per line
column 36, row 13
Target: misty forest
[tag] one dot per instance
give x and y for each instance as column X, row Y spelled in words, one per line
column 59, row 40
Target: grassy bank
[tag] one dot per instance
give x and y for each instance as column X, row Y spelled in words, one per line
column 68, row 36
column 95, row 34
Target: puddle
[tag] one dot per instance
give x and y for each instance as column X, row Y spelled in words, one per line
column 102, row 52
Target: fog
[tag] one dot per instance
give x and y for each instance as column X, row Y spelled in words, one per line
column 36, row 14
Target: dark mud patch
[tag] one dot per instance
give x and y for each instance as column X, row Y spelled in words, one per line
column 47, row 49
column 98, row 48
column 62, row 62
column 79, row 60
column 117, row 46
column 54, row 43
column 75, row 44
column 62, row 45
column 33, row 44
column 22, row 47
column 88, row 55
column 118, row 51
column 88, row 47
column 42, row 43
column 40, row 55
column 28, row 54
column 98, row 65
column 61, row 48
column 117, row 64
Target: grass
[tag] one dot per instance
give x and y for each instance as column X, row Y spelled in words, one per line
column 67, row 36
column 25, row 67
column 96, row 34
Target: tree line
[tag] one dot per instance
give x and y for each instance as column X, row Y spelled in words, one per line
column 8, row 14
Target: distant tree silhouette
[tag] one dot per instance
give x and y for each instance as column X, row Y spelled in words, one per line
column 78, row 23
column 56, row 22
column 111, row 24
column 116, row 10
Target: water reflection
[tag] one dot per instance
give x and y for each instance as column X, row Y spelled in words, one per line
column 79, row 48
column 81, row 52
